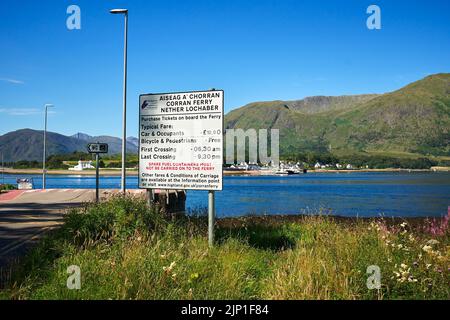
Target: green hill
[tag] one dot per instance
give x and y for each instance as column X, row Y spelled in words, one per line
column 412, row 120
column 27, row 144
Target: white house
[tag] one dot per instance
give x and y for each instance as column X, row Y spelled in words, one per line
column 317, row 165
column 82, row 165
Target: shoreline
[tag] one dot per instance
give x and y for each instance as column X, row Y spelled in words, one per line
column 133, row 172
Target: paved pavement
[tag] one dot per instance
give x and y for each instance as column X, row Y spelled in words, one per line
column 25, row 215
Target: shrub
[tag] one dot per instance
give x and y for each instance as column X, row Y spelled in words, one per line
column 120, row 217
column 7, row 187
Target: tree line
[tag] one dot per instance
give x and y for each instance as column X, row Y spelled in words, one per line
column 309, row 158
column 57, row 161
column 363, row 160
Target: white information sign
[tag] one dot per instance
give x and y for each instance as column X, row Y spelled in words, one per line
column 181, row 140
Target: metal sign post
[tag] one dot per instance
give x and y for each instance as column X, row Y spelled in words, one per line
column 96, row 176
column 150, row 197
column 211, row 217
column 97, row 148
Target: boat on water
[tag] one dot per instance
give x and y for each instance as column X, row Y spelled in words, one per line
column 25, row 184
column 286, row 172
column 289, row 168
column 290, row 171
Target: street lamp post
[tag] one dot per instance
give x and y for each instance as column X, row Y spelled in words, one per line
column 45, row 145
column 124, row 115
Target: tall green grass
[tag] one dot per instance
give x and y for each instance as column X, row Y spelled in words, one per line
column 126, row 250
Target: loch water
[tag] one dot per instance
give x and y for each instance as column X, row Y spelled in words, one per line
column 400, row 194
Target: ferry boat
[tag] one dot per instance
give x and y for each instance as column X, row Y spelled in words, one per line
column 287, row 171
column 290, row 171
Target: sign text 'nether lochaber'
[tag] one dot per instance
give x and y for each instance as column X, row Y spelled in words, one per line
column 180, row 140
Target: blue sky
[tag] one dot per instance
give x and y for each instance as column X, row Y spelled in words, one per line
column 254, row 50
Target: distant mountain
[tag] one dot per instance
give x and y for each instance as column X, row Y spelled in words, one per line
column 81, row 136
column 134, row 141
column 414, row 119
column 27, row 144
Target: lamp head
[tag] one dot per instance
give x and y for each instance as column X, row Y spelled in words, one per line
column 118, row 11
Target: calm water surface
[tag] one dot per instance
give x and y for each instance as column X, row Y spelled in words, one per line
column 347, row 194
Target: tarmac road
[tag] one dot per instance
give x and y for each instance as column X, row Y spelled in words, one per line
column 25, row 215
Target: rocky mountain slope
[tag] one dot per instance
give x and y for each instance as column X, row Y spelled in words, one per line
column 413, row 119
